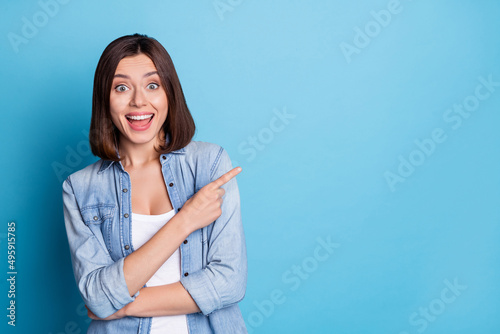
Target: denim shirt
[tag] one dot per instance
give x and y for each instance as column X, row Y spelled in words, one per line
column 97, row 215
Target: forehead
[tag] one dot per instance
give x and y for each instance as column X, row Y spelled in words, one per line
column 135, row 64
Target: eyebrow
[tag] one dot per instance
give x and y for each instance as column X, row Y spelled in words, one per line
column 127, row 77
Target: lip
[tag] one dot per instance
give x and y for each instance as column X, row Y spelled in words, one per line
column 137, row 127
column 139, row 113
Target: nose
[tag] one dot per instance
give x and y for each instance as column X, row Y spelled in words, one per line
column 138, row 98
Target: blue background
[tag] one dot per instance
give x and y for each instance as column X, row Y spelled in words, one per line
column 318, row 175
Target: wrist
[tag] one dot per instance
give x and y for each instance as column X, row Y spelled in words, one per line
column 182, row 223
column 130, row 309
column 126, row 310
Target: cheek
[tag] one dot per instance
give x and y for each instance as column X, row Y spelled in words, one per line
column 115, row 119
column 117, row 103
column 159, row 102
column 115, row 109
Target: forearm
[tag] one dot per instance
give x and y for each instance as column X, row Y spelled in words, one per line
column 170, row 299
column 141, row 265
column 198, row 211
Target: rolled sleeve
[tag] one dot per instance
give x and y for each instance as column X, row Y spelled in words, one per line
column 101, row 281
column 223, row 281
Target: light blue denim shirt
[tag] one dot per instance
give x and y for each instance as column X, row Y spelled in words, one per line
column 97, row 214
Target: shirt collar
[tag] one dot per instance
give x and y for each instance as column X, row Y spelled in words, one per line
column 163, row 158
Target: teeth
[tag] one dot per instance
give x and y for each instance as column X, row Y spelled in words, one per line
column 138, row 118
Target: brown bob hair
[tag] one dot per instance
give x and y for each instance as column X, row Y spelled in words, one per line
column 179, row 126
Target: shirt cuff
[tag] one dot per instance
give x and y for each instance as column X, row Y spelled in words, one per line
column 202, row 290
column 122, row 288
column 115, row 288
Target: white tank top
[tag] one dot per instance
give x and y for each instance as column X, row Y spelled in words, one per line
column 143, row 229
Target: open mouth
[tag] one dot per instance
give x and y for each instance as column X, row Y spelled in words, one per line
column 139, row 120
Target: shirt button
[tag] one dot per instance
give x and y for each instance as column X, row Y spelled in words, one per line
column 125, row 190
column 179, row 209
column 186, row 274
column 164, row 157
column 125, row 215
column 171, row 184
column 185, row 242
column 96, row 218
column 127, row 247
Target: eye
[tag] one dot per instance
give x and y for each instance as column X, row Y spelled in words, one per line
column 153, row 86
column 121, row 88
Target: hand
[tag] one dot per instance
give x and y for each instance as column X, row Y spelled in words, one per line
column 205, row 206
column 117, row 315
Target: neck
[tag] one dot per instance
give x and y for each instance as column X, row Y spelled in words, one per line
column 136, row 155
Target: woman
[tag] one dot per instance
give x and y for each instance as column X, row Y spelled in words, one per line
column 143, row 265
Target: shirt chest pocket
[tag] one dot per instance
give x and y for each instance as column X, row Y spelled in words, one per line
column 99, row 219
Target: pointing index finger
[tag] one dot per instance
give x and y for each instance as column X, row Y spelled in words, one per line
column 226, row 177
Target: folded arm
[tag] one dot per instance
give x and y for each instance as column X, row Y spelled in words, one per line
column 169, row 299
column 107, row 286
column 221, row 283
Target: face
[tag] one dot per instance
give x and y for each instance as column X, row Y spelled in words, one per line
column 138, row 102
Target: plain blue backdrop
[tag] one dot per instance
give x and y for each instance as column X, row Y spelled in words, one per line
column 367, row 132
